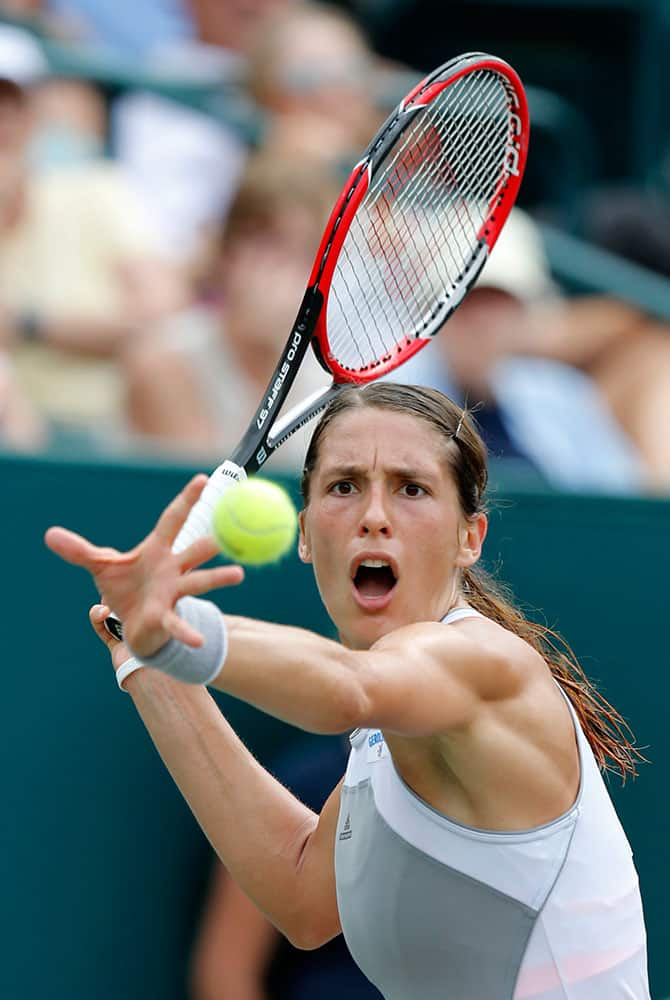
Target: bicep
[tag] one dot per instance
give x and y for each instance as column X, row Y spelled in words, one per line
column 317, row 875
column 422, row 680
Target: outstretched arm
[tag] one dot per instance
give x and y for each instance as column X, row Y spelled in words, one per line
column 277, row 850
column 419, row 680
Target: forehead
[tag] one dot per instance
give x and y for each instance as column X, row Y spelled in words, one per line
column 371, row 435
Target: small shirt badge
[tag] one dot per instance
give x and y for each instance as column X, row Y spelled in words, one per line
column 376, row 748
column 346, row 829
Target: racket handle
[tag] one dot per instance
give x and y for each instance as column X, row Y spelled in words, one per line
column 199, row 521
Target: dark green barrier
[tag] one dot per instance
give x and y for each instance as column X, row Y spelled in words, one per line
column 597, row 570
column 102, row 864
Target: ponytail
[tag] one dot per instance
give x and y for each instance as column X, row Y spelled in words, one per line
column 609, row 736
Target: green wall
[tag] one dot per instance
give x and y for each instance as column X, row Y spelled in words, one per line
column 102, row 865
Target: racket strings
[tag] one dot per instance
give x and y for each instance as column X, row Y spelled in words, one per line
column 417, row 229
column 466, row 214
column 408, row 156
column 450, row 170
column 447, row 169
column 452, row 240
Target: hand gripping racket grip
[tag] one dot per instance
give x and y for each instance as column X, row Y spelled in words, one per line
column 199, row 521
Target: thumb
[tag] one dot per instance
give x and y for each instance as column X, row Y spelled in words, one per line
column 97, row 615
column 117, row 650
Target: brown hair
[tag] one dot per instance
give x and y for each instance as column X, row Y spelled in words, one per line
column 606, row 730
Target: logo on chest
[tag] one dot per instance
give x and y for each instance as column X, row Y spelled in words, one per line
column 376, row 748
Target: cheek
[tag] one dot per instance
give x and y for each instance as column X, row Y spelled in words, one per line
column 327, row 551
column 316, row 531
column 324, row 549
column 437, row 542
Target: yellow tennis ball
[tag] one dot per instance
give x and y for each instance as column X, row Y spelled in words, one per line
column 255, row 522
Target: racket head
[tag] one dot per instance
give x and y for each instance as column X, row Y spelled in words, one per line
column 418, row 217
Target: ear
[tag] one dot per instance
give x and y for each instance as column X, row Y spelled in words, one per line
column 472, row 533
column 304, row 553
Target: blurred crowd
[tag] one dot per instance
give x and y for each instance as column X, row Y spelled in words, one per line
column 158, row 221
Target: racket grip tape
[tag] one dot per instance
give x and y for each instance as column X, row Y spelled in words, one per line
column 199, row 521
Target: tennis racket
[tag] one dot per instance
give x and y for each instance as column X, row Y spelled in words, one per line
column 405, row 241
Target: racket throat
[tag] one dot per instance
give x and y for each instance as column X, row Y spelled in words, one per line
column 301, row 414
column 255, row 447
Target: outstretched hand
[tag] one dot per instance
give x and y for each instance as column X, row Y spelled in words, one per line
column 144, row 584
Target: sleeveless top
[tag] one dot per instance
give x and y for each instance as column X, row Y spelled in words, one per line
column 431, row 908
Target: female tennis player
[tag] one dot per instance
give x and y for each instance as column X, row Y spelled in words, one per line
column 471, row 851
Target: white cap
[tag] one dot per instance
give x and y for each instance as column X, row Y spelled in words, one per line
column 518, row 263
column 21, row 57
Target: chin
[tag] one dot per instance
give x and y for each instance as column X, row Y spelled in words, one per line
column 363, row 634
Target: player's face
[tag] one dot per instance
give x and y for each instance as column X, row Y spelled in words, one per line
column 382, row 493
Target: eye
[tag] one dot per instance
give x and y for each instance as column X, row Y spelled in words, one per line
column 343, row 488
column 413, row 490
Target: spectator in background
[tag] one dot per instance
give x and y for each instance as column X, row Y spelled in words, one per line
column 629, row 355
column 22, row 428
column 632, row 222
column 624, row 355
column 634, row 376
column 81, row 270
column 534, row 410
column 189, row 178
column 195, row 383
column 104, row 25
column 300, row 82
column 313, row 74
column 238, row 954
column 69, row 124
column 618, row 353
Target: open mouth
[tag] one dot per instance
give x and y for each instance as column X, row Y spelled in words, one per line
column 374, row 578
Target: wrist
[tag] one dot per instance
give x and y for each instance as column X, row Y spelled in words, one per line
column 149, row 645
column 191, row 665
column 125, row 670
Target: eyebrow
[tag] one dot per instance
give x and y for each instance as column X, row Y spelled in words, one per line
column 351, row 471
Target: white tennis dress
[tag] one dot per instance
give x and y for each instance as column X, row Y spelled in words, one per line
column 432, row 909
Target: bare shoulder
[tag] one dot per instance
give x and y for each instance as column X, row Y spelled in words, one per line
column 474, row 649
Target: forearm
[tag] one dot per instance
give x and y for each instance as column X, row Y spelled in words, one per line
column 292, row 674
column 88, row 335
column 258, row 829
column 576, row 331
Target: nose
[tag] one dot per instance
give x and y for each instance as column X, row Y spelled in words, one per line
column 374, row 518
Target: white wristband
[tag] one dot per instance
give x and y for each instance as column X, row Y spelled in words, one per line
column 126, row 669
column 194, row 665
